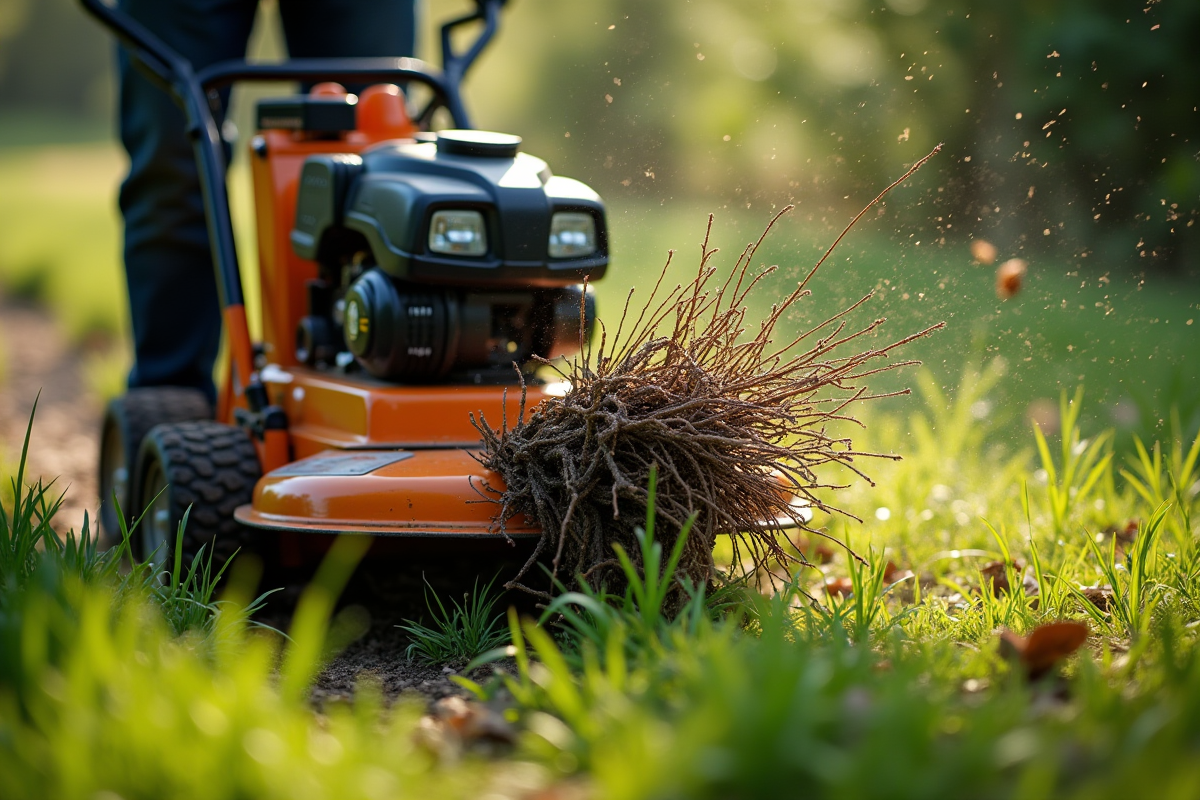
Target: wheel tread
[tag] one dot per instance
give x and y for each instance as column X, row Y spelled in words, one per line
column 131, row 416
column 213, row 468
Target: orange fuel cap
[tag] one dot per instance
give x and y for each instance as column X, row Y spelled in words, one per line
column 382, row 113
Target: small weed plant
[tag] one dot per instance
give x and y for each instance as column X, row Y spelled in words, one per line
column 460, row 633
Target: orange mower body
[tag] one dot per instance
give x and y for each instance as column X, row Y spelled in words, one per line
column 409, row 280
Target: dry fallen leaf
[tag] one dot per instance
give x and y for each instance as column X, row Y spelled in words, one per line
column 839, row 587
column 1045, row 646
column 1009, row 277
column 1125, row 533
column 822, row 553
column 995, row 575
column 1099, row 596
column 893, row 573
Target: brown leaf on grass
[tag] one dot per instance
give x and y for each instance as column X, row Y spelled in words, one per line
column 893, row 573
column 1009, row 277
column 995, row 575
column 1099, row 596
column 839, row 587
column 1045, row 646
column 822, row 553
column 1125, row 533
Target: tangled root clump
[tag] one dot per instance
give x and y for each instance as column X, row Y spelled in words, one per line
column 736, row 426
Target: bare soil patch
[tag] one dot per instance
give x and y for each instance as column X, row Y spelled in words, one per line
column 38, row 364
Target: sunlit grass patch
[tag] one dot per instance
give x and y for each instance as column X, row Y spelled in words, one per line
column 895, row 687
column 59, row 240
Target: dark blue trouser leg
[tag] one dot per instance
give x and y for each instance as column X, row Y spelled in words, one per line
column 168, row 265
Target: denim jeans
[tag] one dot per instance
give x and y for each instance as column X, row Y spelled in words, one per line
column 168, row 266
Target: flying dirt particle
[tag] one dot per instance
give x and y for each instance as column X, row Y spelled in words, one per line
column 608, row 98
column 1009, row 277
column 1019, row 115
column 983, row 251
column 726, row 138
column 903, row 137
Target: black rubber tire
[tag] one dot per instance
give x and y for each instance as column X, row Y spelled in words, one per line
column 127, row 420
column 208, row 466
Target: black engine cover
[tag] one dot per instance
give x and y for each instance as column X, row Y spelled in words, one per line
column 390, row 195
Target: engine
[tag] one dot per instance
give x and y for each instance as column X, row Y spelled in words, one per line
column 448, row 259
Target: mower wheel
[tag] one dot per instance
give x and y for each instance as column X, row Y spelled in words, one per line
column 207, row 466
column 127, row 420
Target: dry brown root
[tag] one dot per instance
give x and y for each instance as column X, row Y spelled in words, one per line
column 737, row 425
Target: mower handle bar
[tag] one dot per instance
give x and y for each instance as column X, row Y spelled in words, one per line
column 195, row 92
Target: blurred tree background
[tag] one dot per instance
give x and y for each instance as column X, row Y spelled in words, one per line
column 1073, row 116
column 1077, row 117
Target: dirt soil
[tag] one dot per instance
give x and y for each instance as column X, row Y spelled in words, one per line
column 64, row 446
column 392, row 590
column 35, row 358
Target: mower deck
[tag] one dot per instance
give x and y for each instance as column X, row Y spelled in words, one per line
column 381, row 492
column 383, row 459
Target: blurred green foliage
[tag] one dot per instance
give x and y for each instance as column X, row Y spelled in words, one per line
column 814, row 97
column 1062, row 116
column 54, row 60
column 1076, row 118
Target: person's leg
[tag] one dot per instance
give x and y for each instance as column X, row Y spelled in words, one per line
column 349, row 28
column 168, row 266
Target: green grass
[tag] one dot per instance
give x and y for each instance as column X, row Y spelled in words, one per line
column 884, row 695
column 118, row 681
column 460, row 633
column 898, row 689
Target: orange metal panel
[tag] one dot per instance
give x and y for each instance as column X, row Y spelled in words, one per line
column 425, row 493
column 325, row 410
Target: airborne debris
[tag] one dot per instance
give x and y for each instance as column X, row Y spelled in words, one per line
column 983, row 251
column 1010, row 276
column 736, row 424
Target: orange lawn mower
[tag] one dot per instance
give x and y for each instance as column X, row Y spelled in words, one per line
column 403, row 272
